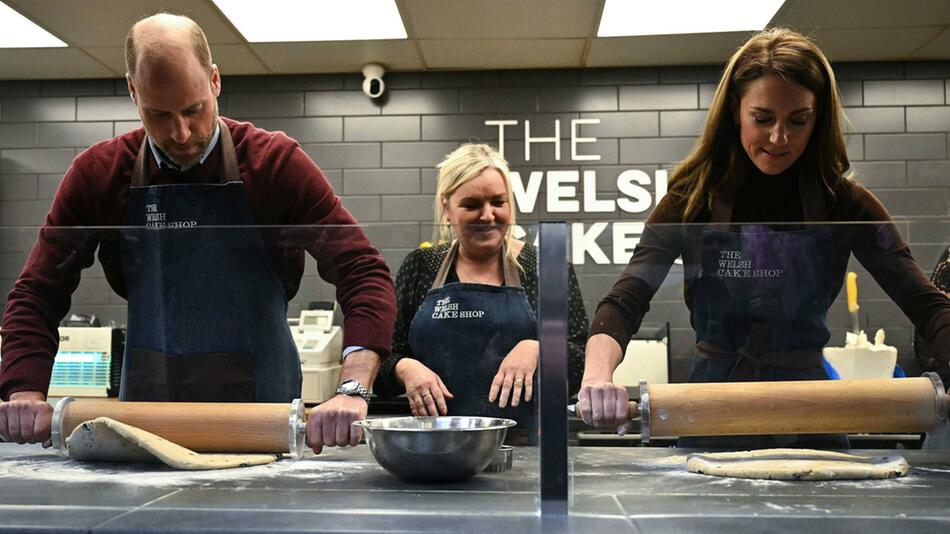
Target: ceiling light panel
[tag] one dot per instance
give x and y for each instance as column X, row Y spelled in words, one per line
column 667, row 17
column 17, row 31
column 314, row 20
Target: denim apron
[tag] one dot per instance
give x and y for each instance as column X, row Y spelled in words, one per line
column 207, row 315
column 463, row 331
column 760, row 305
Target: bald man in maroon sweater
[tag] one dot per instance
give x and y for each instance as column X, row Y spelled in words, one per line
column 204, row 257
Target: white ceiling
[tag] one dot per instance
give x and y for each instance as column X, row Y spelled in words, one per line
column 473, row 34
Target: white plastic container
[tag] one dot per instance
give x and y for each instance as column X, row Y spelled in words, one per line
column 859, row 359
column 319, row 382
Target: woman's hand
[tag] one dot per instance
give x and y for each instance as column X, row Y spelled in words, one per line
column 601, row 403
column 515, row 375
column 424, row 388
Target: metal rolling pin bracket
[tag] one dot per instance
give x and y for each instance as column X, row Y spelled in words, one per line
column 939, row 436
column 298, row 429
column 56, row 426
column 644, row 412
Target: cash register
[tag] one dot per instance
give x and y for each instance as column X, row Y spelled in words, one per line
column 319, row 343
column 89, row 360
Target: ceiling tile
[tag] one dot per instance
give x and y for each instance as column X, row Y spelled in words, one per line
column 338, row 56
column 237, row 59
column 501, row 19
column 937, row 48
column 502, row 54
column 112, row 56
column 653, row 50
column 806, row 15
column 231, row 59
column 883, row 44
column 48, row 63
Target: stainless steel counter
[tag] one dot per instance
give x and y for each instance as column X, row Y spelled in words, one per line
column 613, row 490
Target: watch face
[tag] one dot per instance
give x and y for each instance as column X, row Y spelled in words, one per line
column 349, row 387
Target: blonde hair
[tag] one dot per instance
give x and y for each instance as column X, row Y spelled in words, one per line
column 460, row 166
column 718, row 158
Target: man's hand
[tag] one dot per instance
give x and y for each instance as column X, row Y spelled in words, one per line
column 424, row 389
column 330, row 423
column 26, row 418
column 515, row 374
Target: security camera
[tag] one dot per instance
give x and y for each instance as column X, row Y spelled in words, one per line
column 373, row 85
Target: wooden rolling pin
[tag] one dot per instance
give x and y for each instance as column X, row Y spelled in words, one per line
column 199, row 426
column 795, row 407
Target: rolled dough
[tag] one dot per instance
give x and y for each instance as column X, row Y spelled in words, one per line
column 796, row 464
column 107, row 440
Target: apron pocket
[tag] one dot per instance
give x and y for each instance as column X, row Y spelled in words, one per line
column 201, row 377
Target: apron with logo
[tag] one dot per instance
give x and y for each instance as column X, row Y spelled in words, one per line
column 760, row 306
column 463, row 331
column 207, row 314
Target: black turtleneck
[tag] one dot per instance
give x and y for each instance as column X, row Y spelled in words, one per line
column 765, row 198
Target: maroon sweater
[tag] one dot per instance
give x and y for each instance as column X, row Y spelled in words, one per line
column 283, row 186
column 873, row 238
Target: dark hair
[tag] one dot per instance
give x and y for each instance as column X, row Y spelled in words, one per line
column 716, row 158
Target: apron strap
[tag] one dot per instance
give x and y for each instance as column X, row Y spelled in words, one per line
column 510, row 271
column 790, row 359
column 138, row 170
column 229, row 167
column 229, row 164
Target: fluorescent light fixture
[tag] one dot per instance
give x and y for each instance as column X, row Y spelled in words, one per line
column 314, row 20
column 17, row 31
column 666, row 17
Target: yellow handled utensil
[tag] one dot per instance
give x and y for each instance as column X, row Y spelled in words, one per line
column 851, row 286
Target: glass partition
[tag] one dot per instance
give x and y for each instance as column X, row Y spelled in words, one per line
column 292, row 299
column 261, row 314
column 717, row 303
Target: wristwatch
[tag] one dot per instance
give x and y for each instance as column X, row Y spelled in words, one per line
column 352, row 387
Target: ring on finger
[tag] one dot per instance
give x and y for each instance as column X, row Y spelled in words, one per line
column 519, row 380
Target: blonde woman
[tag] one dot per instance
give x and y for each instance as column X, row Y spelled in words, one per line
column 466, row 331
column 758, row 292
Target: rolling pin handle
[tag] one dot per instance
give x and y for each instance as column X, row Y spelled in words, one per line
column 633, row 410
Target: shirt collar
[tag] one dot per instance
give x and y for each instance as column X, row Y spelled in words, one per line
column 164, row 161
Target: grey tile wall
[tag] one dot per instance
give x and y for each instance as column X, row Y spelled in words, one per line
column 635, row 97
column 380, row 156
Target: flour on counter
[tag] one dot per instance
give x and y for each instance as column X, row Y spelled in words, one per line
column 932, row 469
column 58, row 469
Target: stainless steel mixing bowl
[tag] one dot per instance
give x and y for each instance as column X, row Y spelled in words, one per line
column 434, row 449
